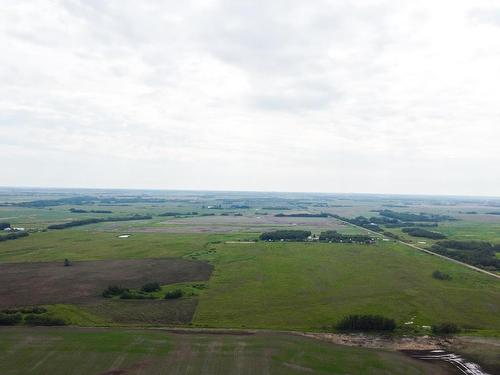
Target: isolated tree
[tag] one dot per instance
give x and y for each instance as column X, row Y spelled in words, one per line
column 67, row 262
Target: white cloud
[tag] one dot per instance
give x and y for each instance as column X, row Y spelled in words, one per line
column 381, row 96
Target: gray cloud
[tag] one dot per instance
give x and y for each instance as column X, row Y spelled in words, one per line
column 328, row 95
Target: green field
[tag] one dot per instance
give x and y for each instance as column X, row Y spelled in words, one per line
column 98, row 352
column 299, row 286
column 309, row 286
column 292, row 285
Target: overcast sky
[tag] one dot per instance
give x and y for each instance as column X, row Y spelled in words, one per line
column 329, row 96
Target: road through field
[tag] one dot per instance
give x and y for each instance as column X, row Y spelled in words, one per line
column 427, row 251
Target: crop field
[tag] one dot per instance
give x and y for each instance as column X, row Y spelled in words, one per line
column 133, row 352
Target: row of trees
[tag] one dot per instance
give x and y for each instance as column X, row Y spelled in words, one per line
column 304, row 215
column 420, row 232
column 82, row 211
column 334, row 236
column 478, row 253
column 77, row 223
column 286, row 235
column 408, row 216
column 13, row 235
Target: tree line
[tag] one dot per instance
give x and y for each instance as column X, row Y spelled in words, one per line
column 77, row 223
column 286, row 235
column 334, row 236
column 478, row 253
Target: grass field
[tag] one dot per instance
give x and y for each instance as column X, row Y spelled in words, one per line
column 44, row 351
column 309, row 286
column 288, row 285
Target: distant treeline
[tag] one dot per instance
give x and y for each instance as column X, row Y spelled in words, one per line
column 304, row 215
column 286, row 235
column 334, row 236
column 77, row 223
column 360, row 221
column 194, row 213
column 13, row 236
column 81, row 211
column 239, row 206
column 276, row 208
column 493, row 213
column 85, row 200
column 396, row 223
column 419, row 232
column 408, row 216
column 478, row 253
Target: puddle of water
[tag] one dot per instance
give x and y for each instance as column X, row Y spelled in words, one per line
column 461, row 364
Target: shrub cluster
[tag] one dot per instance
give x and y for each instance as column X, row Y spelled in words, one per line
column 151, row 287
column 441, row 275
column 113, row 290
column 176, row 293
column 445, row 329
column 40, row 320
column 13, row 236
column 10, row 319
column 366, row 323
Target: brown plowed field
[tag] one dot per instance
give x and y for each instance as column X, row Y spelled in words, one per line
column 51, row 282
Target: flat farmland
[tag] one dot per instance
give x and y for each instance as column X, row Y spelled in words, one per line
column 310, row 286
column 45, row 351
column 89, row 245
column 254, row 223
column 38, row 283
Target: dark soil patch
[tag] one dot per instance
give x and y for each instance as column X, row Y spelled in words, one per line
column 50, row 282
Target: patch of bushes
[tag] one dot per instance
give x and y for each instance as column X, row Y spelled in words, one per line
column 14, row 236
column 419, row 232
column 287, row 235
column 10, row 319
column 26, row 310
column 4, row 226
column 445, row 329
column 40, row 320
column 441, row 275
column 113, row 290
column 366, row 323
column 131, row 295
column 151, row 287
column 172, row 294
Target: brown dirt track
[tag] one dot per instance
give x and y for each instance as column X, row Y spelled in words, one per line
column 39, row 283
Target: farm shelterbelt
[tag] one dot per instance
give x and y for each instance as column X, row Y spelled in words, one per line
column 209, row 281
